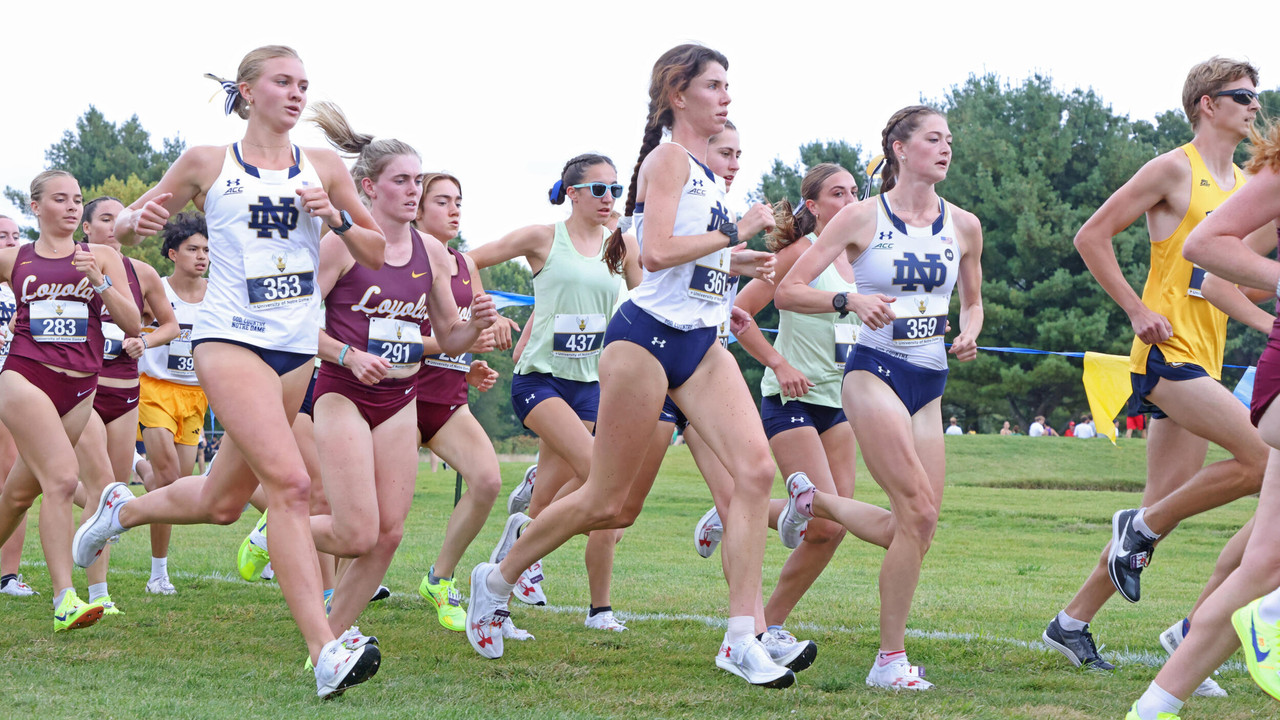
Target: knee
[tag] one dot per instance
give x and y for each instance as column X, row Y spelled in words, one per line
column 606, row 515
column 63, row 490
column 821, row 532
column 225, row 513
column 485, row 489
column 755, row 482
column 919, row 522
column 389, row 539
column 293, row 492
column 1251, row 472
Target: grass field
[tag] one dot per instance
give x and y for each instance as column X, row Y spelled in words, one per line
column 1022, row 523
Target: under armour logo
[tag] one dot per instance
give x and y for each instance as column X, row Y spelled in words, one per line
column 659, row 343
column 697, row 183
column 887, row 235
column 795, row 419
column 530, row 398
column 882, row 370
column 233, row 187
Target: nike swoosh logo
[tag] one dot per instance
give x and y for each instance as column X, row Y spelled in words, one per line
column 1257, row 651
column 466, row 282
column 131, row 401
column 25, row 262
column 86, row 392
column 417, row 275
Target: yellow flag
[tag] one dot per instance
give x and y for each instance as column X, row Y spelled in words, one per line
column 1107, row 385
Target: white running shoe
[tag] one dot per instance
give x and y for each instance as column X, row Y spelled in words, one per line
column 787, row 651
column 340, row 667
column 510, row 532
column 161, row 586
column 791, row 523
column 518, row 500
column 750, row 661
column 98, row 530
column 17, row 588
column 1170, row 639
column 707, row 533
column 511, row 632
column 268, row 573
column 353, row 639
column 605, row 621
column 898, row 675
column 486, row 614
column 529, row 587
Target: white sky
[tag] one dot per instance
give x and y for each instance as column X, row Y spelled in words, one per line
column 502, row 94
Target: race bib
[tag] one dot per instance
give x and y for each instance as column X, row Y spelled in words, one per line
column 114, row 338
column 711, row 279
column 922, row 319
column 181, row 363
column 846, row 334
column 1197, row 279
column 59, row 321
column 723, row 334
column 398, row 341
column 461, row 363
column 578, row 336
column 279, row 279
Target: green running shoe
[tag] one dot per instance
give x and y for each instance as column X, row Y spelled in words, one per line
column 108, row 607
column 1260, row 641
column 1133, row 714
column 73, row 613
column 448, row 602
column 253, row 556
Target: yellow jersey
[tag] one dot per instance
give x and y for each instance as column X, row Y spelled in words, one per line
column 1173, row 284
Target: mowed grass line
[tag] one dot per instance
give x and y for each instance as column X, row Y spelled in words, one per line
column 1005, row 560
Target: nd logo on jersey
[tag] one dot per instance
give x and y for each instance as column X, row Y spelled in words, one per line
column 911, row 272
column 719, row 216
column 266, row 217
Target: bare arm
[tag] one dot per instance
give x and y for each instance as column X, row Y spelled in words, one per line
column 157, row 303
column 185, row 181
column 533, row 243
column 965, row 345
column 364, row 240
column 1218, row 243
column 753, row 298
column 102, row 260
column 452, row 333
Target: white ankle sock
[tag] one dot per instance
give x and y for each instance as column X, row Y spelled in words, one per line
column 1269, row 608
column 1140, row 524
column 57, row 598
column 159, row 568
column 1155, row 701
column 97, row 590
column 1070, row 624
column 740, row 628
column 498, row 585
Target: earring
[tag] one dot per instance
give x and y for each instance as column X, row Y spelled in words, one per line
column 902, row 157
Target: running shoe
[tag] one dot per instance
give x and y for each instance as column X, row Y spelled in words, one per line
column 792, row 523
column 341, row 667
column 268, row 573
column 161, row 586
column 529, row 587
column 1130, row 552
column 108, row 607
column 750, row 661
column 1261, row 643
column 511, row 632
column 382, row 593
column 518, row 500
column 707, row 533
column 353, row 639
column 510, row 532
column 253, row 556
column 448, row 602
column 605, row 621
column 787, row 651
column 1076, row 645
column 485, row 614
column 1170, row 639
column 17, row 588
column 73, row 613
column 899, row 674
column 101, row 527
column 1133, row 715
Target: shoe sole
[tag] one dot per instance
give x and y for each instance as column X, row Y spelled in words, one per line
column 697, row 536
column 366, row 667
column 805, row 658
column 1060, row 648
column 1116, row 532
column 476, row 581
column 97, row 514
column 789, row 511
column 785, row 680
column 89, row 617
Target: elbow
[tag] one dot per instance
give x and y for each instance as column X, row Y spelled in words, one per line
column 1194, row 250
column 784, row 297
column 652, row 260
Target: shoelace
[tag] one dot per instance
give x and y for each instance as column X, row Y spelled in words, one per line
column 453, row 597
column 1093, row 650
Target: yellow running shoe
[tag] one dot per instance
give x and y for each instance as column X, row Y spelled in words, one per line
column 1133, row 714
column 253, row 556
column 108, row 607
column 448, row 602
column 73, row 613
column 1260, row 641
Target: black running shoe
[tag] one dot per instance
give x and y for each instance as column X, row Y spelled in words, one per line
column 1077, row 646
column 1130, row 552
column 383, row 593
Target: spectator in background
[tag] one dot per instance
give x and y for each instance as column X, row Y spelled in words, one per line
column 1134, row 419
column 1086, row 429
column 1039, row 428
column 1004, row 429
column 1070, row 430
column 954, row 428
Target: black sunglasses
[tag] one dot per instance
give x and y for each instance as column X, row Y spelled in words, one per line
column 598, row 189
column 1242, row 96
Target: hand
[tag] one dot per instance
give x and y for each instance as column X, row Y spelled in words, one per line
column 151, row 218
column 965, row 348
column 86, row 263
column 502, row 332
column 1151, row 327
column 752, row 263
column 481, row 376
column 757, row 218
column 794, row 384
column 484, row 343
column 872, row 310
column 135, row 346
column 316, row 202
column 739, row 320
column 483, row 312
column 367, row 367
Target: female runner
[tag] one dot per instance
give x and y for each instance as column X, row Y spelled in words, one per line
column 555, row 390
column 46, row 388
column 664, row 340
column 11, row 582
column 908, row 249
column 266, row 203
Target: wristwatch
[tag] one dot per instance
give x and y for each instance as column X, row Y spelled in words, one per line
column 841, row 303
column 346, row 223
column 731, row 231
column 106, row 284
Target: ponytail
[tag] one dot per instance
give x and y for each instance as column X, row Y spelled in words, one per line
column 1264, row 150
column 372, row 155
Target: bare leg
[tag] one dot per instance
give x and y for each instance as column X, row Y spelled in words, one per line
column 11, row 551
column 464, row 444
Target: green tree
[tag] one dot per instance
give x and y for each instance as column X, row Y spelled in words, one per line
column 493, row 408
column 127, row 191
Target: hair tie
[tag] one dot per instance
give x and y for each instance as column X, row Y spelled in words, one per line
column 873, row 168
column 555, row 191
column 799, row 208
column 230, row 88
column 624, row 225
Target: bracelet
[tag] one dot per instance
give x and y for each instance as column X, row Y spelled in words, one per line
column 145, row 344
column 1278, row 288
column 342, row 355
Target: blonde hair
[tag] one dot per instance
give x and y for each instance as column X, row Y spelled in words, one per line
column 1264, row 148
column 1208, row 78
column 790, row 226
column 250, row 70
column 38, row 184
column 372, row 155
